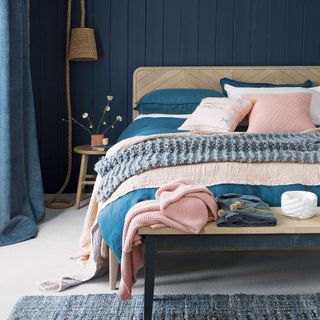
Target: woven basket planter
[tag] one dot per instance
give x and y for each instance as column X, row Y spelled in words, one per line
column 83, row 45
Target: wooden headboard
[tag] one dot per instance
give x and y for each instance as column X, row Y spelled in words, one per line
column 146, row 79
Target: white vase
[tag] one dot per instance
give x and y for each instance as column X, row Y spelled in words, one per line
column 105, row 141
column 299, row 204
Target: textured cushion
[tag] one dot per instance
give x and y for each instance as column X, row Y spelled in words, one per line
column 240, row 84
column 234, row 92
column 274, row 113
column 174, row 101
column 218, row 115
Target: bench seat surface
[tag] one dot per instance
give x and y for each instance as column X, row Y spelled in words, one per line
column 284, row 225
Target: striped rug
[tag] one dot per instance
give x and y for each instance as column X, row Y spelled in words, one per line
column 193, row 307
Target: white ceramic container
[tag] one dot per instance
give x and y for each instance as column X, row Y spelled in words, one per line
column 299, row 204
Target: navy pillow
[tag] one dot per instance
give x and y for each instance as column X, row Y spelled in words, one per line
column 173, row 101
column 240, row 84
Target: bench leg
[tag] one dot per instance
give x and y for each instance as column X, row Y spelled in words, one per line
column 113, row 270
column 150, row 250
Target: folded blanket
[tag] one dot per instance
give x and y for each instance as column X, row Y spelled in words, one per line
column 181, row 204
column 243, row 211
column 166, row 152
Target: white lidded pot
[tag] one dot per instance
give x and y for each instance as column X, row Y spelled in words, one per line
column 299, row 204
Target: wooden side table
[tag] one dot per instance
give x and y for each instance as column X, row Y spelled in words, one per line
column 84, row 178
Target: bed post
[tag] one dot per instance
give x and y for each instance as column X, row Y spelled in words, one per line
column 113, row 270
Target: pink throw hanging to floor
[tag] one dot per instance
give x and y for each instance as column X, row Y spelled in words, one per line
column 182, row 204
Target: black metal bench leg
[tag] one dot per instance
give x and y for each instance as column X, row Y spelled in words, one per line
column 150, row 245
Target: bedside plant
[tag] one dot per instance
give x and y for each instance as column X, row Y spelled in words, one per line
column 97, row 135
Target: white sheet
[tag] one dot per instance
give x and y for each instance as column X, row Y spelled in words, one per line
column 162, row 115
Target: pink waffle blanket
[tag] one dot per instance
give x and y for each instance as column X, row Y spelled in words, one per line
column 182, row 204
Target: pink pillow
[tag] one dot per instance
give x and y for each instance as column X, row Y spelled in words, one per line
column 218, row 115
column 274, row 113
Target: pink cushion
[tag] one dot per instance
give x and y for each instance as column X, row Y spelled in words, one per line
column 274, row 113
column 218, row 115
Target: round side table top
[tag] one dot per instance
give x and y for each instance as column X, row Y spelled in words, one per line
column 87, row 149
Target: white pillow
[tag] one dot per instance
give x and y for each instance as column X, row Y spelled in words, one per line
column 237, row 92
column 163, row 115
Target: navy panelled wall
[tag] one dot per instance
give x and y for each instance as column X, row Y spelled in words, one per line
column 133, row 33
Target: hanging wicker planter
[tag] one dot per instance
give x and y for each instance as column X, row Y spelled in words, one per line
column 82, row 42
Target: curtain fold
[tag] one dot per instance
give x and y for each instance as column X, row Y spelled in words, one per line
column 21, row 193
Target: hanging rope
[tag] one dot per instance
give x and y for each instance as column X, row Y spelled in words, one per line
column 55, row 202
column 83, row 13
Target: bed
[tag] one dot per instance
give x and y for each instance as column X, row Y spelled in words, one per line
column 105, row 218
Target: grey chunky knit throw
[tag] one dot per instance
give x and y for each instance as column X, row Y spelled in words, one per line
column 182, row 150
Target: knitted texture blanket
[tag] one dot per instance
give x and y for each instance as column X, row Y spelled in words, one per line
column 181, row 204
column 182, row 150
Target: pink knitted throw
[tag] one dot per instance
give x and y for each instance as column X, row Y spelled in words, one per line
column 182, row 204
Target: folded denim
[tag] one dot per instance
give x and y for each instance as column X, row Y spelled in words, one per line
column 250, row 213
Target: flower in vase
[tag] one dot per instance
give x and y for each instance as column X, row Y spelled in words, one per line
column 91, row 128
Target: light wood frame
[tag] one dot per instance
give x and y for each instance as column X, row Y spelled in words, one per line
column 146, row 79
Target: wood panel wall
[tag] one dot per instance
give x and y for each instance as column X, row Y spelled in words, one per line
column 133, row 33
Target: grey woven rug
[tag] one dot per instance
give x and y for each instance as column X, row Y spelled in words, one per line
column 192, row 307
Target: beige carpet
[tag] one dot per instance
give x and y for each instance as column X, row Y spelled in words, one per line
column 46, row 257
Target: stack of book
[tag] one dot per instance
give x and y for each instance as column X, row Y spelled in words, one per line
column 101, row 147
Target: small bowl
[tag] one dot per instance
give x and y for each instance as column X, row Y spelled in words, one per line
column 299, row 204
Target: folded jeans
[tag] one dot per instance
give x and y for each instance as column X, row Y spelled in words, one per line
column 253, row 212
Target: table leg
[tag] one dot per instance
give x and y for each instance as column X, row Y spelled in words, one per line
column 85, row 169
column 150, row 247
column 82, row 178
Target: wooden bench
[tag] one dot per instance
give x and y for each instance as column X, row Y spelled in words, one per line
column 289, row 233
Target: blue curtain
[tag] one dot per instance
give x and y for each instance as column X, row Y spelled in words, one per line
column 21, row 194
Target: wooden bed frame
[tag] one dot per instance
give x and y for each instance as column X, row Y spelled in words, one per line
column 146, row 79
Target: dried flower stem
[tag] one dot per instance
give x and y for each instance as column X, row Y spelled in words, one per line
column 90, row 123
column 101, row 120
column 103, row 115
column 237, row 205
column 79, row 124
column 91, row 129
column 114, row 122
